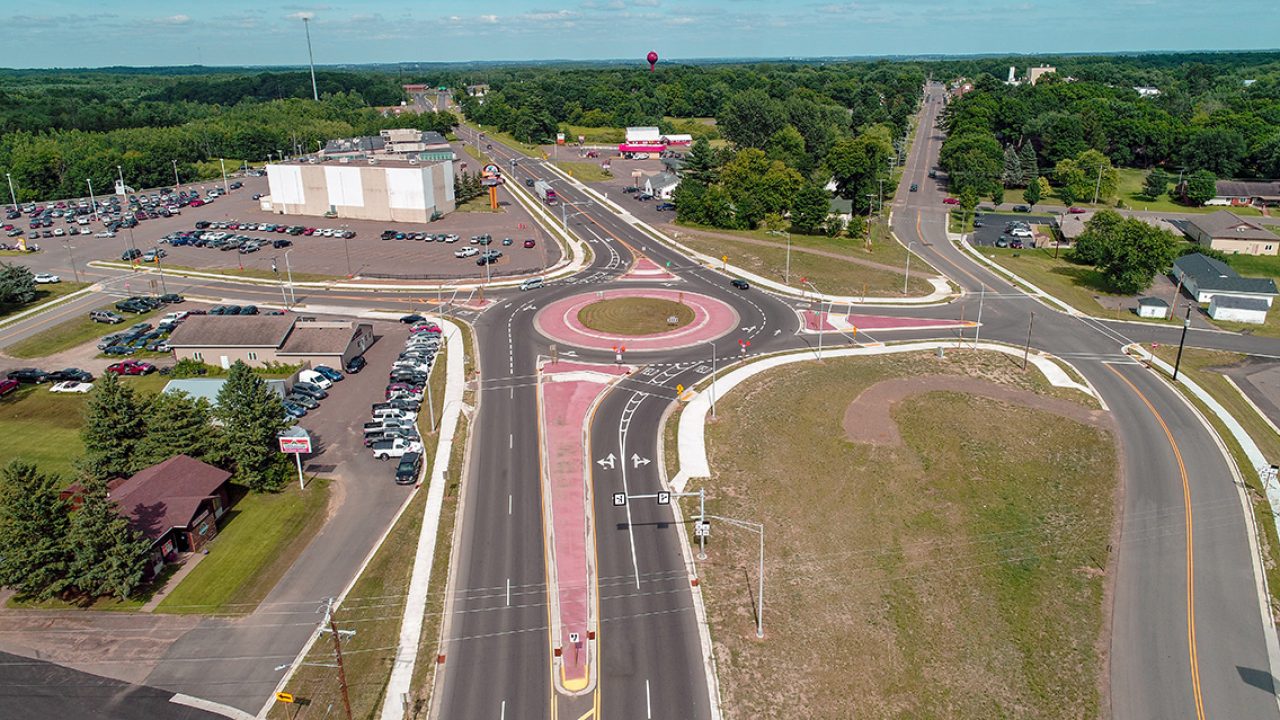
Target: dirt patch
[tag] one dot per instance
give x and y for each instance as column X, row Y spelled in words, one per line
column 869, row 418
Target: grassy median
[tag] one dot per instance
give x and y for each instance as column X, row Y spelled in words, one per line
column 958, row 574
column 635, row 315
column 77, row 331
column 44, row 293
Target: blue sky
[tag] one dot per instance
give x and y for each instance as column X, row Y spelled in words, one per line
column 87, row 33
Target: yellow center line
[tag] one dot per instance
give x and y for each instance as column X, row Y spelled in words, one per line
column 1191, row 563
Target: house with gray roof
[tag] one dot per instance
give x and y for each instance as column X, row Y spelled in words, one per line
column 1229, row 233
column 1205, row 278
column 1237, row 309
column 1240, row 193
column 661, row 185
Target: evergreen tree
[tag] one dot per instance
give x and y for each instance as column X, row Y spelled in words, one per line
column 113, row 427
column 1156, row 184
column 810, row 208
column 688, row 201
column 1030, row 165
column 177, row 424
column 33, row 529
column 108, row 557
column 252, row 416
column 1013, row 175
column 17, row 284
column 701, row 162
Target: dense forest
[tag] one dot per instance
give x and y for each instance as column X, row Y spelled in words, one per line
column 62, row 129
column 1215, row 116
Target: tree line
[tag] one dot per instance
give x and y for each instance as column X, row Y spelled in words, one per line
column 82, row 547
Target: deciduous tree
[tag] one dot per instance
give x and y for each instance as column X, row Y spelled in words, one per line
column 1201, row 187
column 17, row 284
column 1032, row 194
column 1155, row 184
column 810, row 209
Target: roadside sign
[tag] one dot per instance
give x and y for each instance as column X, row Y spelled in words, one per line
column 679, row 389
column 491, row 169
column 295, row 444
column 664, row 497
column 284, row 697
column 702, row 528
column 574, row 638
column 619, row 499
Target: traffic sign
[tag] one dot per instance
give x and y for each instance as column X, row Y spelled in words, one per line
column 491, row 169
column 664, row 497
column 702, row 528
column 619, row 499
column 679, row 388
column 285, row 697
column 574, row 638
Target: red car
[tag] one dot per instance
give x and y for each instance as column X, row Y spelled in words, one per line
column 7, row 386
column 197, row 202
column 425, row 328
column 1076, row 210
column 528, row 243
column 309, row 231
column 950, row 201
column 131, row 367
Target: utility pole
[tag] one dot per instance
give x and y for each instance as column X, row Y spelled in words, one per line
column 225, row 189
column 1097, row 186
column 12, row 195
column 1026, row 350
column 177, row 184
column 315, row 95
column 1186, row 324
column 74, row 269
column 713, row 379
column 337, row 653
column 93, row 200
column 977, row 329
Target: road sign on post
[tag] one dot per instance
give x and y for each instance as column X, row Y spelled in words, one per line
column 296, row 442
column 619, row 499
column 702, row 529
column 285, row 697
column 664, row 497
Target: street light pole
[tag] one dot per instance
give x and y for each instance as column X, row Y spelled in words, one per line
column 822, row 319
column 757, row 528
column 1186, row 324
column 293, row 299
column 311, row 60
column 713, row 379
column 74, row 269
column 93, row 199
column 12, row 195
column 177, row 184
column 346, row 245
column 977, row 329
column 120, row 171
column 225, row 189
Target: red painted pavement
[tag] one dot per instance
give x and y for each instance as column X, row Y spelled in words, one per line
column 646, row 269
column 711, row 319
column 564, row 417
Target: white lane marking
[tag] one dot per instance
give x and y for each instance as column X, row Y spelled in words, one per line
column 511, row 439
column 508, row 504
column 623, row 425
column 508, row 592
column 504, row 710
column 648, row 704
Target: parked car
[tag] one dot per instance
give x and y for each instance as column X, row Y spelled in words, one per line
column 8, row 386
column 1002, row 241
column 1076, row 210
column 356, row 364
column 293, row 410
column 407, row 470
column 105, row 316
column 950, row 201
column 395, row 448
column 131, row 367
column 71, row 386
column 305, row 401
column 310, row 390
column 329, row 372
column 316, row 378
column 413, row 319
column 170, row 298
column 28, row 376
column 47, row 279
column 466, row 252
column 66, row 374
column 1015, row 244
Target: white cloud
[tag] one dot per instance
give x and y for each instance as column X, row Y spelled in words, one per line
column 176, row 20
column 647, row 3
column 301, row 15
column 491, row 19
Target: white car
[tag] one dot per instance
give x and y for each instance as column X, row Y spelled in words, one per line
column 47, row 279
column 466, row 252
column 176, row 316
column 71, row 386
column 105, row 234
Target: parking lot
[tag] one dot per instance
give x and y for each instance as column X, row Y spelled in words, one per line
column 366, row 255
column 990, row 227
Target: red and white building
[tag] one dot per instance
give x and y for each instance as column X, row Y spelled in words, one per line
column 651, row 140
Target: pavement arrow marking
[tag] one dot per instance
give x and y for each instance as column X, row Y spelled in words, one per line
column 568, row 353
column 637, row 461
column 607, row 462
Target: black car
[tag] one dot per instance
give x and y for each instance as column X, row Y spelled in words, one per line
column 1021, row 208
column 249, row 310
column 407, row 470
column 914, row 187
column 356, row 364
column 281, row 243
column 130, row 254
column 740, row 284
column 413, row 319
column 171, row 298
column 28, row 375
column 75, row 374
column 310, row 390
column 132, row 306
column 305, row 401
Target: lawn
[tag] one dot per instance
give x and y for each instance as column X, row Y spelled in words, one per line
column 828, row 274
column 584, row 171
column 1256, row 265
column 1200, row 366
column 594, row 135
column 44, row 294
column 260, row 537
column 258, row 273
column 479, row 203
column 959, row 575
column 506, row 138
column 635, row 316
column 1129, row 192
column 71, row 333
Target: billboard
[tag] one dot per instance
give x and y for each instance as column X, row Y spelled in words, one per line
column 295, row 444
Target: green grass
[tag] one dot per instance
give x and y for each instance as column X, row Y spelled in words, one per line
column 260, row 537
column 473, row 152
column 584, row 171
column 506, row 138
column 1256, row 265
column 257, row 273
column 140, row 598
column 1200, row 366
column 635, row 316
column 479, row 203
column 44, row 294
column 1129, row 192
column 72, row 333
column 593, row 135
column 829, row 275
column 970, row 583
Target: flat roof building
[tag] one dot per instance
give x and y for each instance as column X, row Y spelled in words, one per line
column 374, row 188
column 260, row 339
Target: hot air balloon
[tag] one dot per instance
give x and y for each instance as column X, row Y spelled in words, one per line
column 652, row 57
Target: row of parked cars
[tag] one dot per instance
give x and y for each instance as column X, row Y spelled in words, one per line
column 67, row 380
column 142, row 336
column 309, row 389
column 393, row 431
column 423, row 237
column 225, row 241
column 294, row 230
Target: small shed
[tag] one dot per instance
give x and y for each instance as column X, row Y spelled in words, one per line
column 1238, row 309
column 1150, row 307
column 661, row 185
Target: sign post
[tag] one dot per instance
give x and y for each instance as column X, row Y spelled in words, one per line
column 296, row 442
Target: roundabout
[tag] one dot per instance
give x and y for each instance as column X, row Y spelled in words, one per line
column 641, row 319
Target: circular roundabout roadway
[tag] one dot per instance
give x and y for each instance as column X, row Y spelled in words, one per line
column 560, row 323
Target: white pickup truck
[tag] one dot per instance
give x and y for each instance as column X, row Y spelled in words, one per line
column 387, row 449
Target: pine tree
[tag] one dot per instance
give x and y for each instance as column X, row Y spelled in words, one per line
column 1030, row 165
column 1013, row 175
column 177, row 424
column 701, row 162
column 113, row 426
column 108, row 557
column 33, row 530
column 252, row 416
column 1156, row 184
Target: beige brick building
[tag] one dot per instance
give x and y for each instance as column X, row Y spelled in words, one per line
column 1232, row 234
column 221, row 340
column 362, row 188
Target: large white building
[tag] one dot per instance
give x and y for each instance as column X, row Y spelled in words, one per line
column 377, row 188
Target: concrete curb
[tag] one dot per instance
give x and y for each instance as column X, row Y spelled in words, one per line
column 50, row 305
column 691, row 438
column 424, row 558
column 940, row 295
column 691, row 568
column 1255, row 456
column 210, row 706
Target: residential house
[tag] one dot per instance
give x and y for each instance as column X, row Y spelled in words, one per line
column 1242, row 193
column 1205, row 278
column 1229, row 233
column 259, row 339
column 661, row 185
